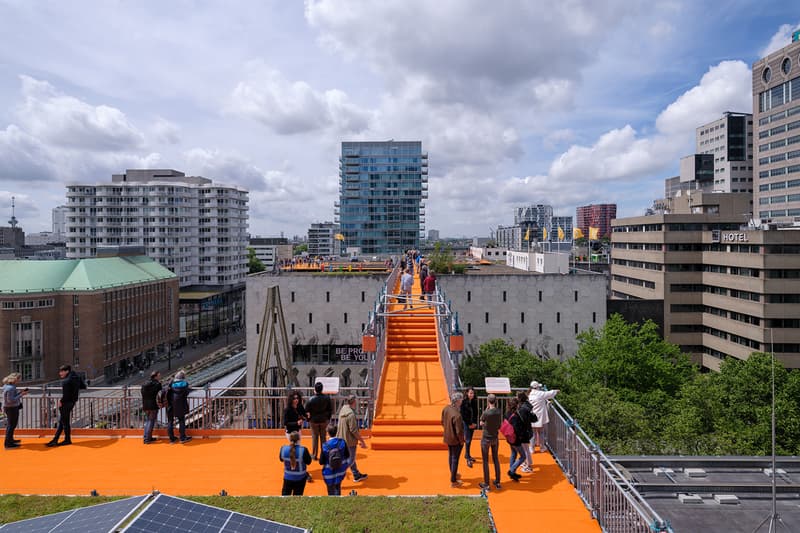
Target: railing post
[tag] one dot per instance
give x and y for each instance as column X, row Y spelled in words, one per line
column 596, row 491
column 125, row 408
column 207, row 406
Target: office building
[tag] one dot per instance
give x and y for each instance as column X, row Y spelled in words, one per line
column 103, row 316
column 322, row 240
column 382, row 189
column 776, row 117
column 729, row 143
column 595, row 216
column 728, row 288
column 565, row 223
column 271, row 251
column 60, row 220
column 537, row 218
column 195, row 228
column 433, row 235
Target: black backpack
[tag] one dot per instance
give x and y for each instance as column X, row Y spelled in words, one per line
column 335, row 459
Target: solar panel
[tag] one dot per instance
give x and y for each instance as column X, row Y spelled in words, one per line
column 167, row 514
column 100, row 518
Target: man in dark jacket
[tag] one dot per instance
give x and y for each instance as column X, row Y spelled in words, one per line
column 71, row 383
column 528, row 418
column 150, row 405
column 490, row 420
column 319, row 410
column 178, row 407
column 453, row 426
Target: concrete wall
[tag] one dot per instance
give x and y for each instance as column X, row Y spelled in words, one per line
column 493, row 306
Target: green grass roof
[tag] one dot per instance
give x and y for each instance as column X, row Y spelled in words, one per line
column 20, row 277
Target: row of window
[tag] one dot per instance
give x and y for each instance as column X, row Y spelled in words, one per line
column 28, row 304
column 732, row 337
column 763, row 121
column 784, row 93
column 780, row 143
column 635, row 281
column 780, row 199
column 778, row 185
column 713, row 289
column 739, row 317
column 777, row 158
column 780, row 171
column 775, row 213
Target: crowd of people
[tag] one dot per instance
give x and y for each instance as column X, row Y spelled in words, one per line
column 412, row 262
column 521, row 426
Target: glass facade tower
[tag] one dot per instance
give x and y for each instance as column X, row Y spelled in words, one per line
column 382, row 191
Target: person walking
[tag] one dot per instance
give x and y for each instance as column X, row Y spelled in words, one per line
column 490, row 421
column 178, row 407
column 12, row 403
column 517, row 455
column 348, row 431
column 71, row 384
column 319, row 410
column 406, row 284
column 453, row 426
column 295, row 459
column 539, row 399
column 469, row 414
column 333, row 458
column 429, row 286
column 150, row 407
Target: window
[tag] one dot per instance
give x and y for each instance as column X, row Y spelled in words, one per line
column 310, row 318
column 345, row 318
column 327, row 296
column 469, row 296
column 558, row 318
column 504, row 296
column 576, row 296
column 292, row 328
column 486, row 317
column 540, row 296
column 576, row 328
column 505, row 328
column 327, row 329
column 469, row 328
column 75, row 299
column 292, row 296
column 522, row 317
column 594, row 318
column 540, row 328
column 363, row 296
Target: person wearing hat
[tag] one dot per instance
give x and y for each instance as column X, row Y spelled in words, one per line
column 178, row 407
column 538, row 398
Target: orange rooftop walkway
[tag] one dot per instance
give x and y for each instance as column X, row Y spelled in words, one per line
column 406, row 455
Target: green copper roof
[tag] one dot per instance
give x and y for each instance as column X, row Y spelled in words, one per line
column 19, row 277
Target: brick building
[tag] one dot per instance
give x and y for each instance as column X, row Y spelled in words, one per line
column 103, row 316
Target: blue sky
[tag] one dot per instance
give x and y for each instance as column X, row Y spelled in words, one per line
column 563, row 103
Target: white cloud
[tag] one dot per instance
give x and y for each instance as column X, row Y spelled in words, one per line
column 661, row 29
column 725, row 87
column 165, row 131
column 293, row 107
column 559, row 137
column 779, row 39
column 66, row 121
column 24, row 158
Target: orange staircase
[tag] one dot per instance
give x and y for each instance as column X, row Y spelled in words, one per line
column 413, row 389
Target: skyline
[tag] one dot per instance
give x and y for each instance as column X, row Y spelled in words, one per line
column 522, row 104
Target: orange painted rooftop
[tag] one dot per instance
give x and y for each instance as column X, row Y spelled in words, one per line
column 115, row 465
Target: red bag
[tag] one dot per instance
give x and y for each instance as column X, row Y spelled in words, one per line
column 508, row 431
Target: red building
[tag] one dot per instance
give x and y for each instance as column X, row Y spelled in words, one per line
column 596, row 216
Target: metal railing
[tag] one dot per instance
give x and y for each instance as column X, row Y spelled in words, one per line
column 210, row 408
column 447, row 325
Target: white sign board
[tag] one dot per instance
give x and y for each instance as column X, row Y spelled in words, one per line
column 498, row 385
column 329, row 385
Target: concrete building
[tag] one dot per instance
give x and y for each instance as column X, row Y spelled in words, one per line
column 271, row 250
column 729, row 140
column 60, row 220
column 728, row 288
column 102, row 316
column 776, row 113
column 565, row 223
column 193, row 227
column 596, row 216
column 382, row 189
column 322, row 240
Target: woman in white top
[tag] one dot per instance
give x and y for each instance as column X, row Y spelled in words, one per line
column 538, row 399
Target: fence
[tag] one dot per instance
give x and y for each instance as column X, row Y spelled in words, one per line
column 209, row 408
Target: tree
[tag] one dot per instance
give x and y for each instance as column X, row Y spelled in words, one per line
column 254, row 263
column 299, row 249
column 628, row 356
column 441, row 260
column 497, row 358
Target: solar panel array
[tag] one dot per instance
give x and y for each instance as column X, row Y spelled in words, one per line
column 164, row 514
column 168, row 514
column 103, row 517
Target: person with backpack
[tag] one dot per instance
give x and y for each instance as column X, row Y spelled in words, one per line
column 319, row 410
column 429, row 286
column 334, row 457
column 71, row 383
column 295, row 460
column 178, row 407
column 490, row 421
column 150, row 393
column 517, row 455
column 349, row 432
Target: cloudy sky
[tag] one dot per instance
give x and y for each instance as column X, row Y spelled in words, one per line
column 516, row 102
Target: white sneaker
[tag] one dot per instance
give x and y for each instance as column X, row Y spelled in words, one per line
column 526, row 469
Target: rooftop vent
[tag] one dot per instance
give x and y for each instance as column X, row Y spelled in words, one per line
column 694, row 472
column 726, row 499
column 690, row 498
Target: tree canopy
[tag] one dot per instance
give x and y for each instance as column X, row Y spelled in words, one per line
column 254, row 264
column 635, row 393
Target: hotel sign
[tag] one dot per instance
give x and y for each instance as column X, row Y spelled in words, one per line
column 729, row 236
